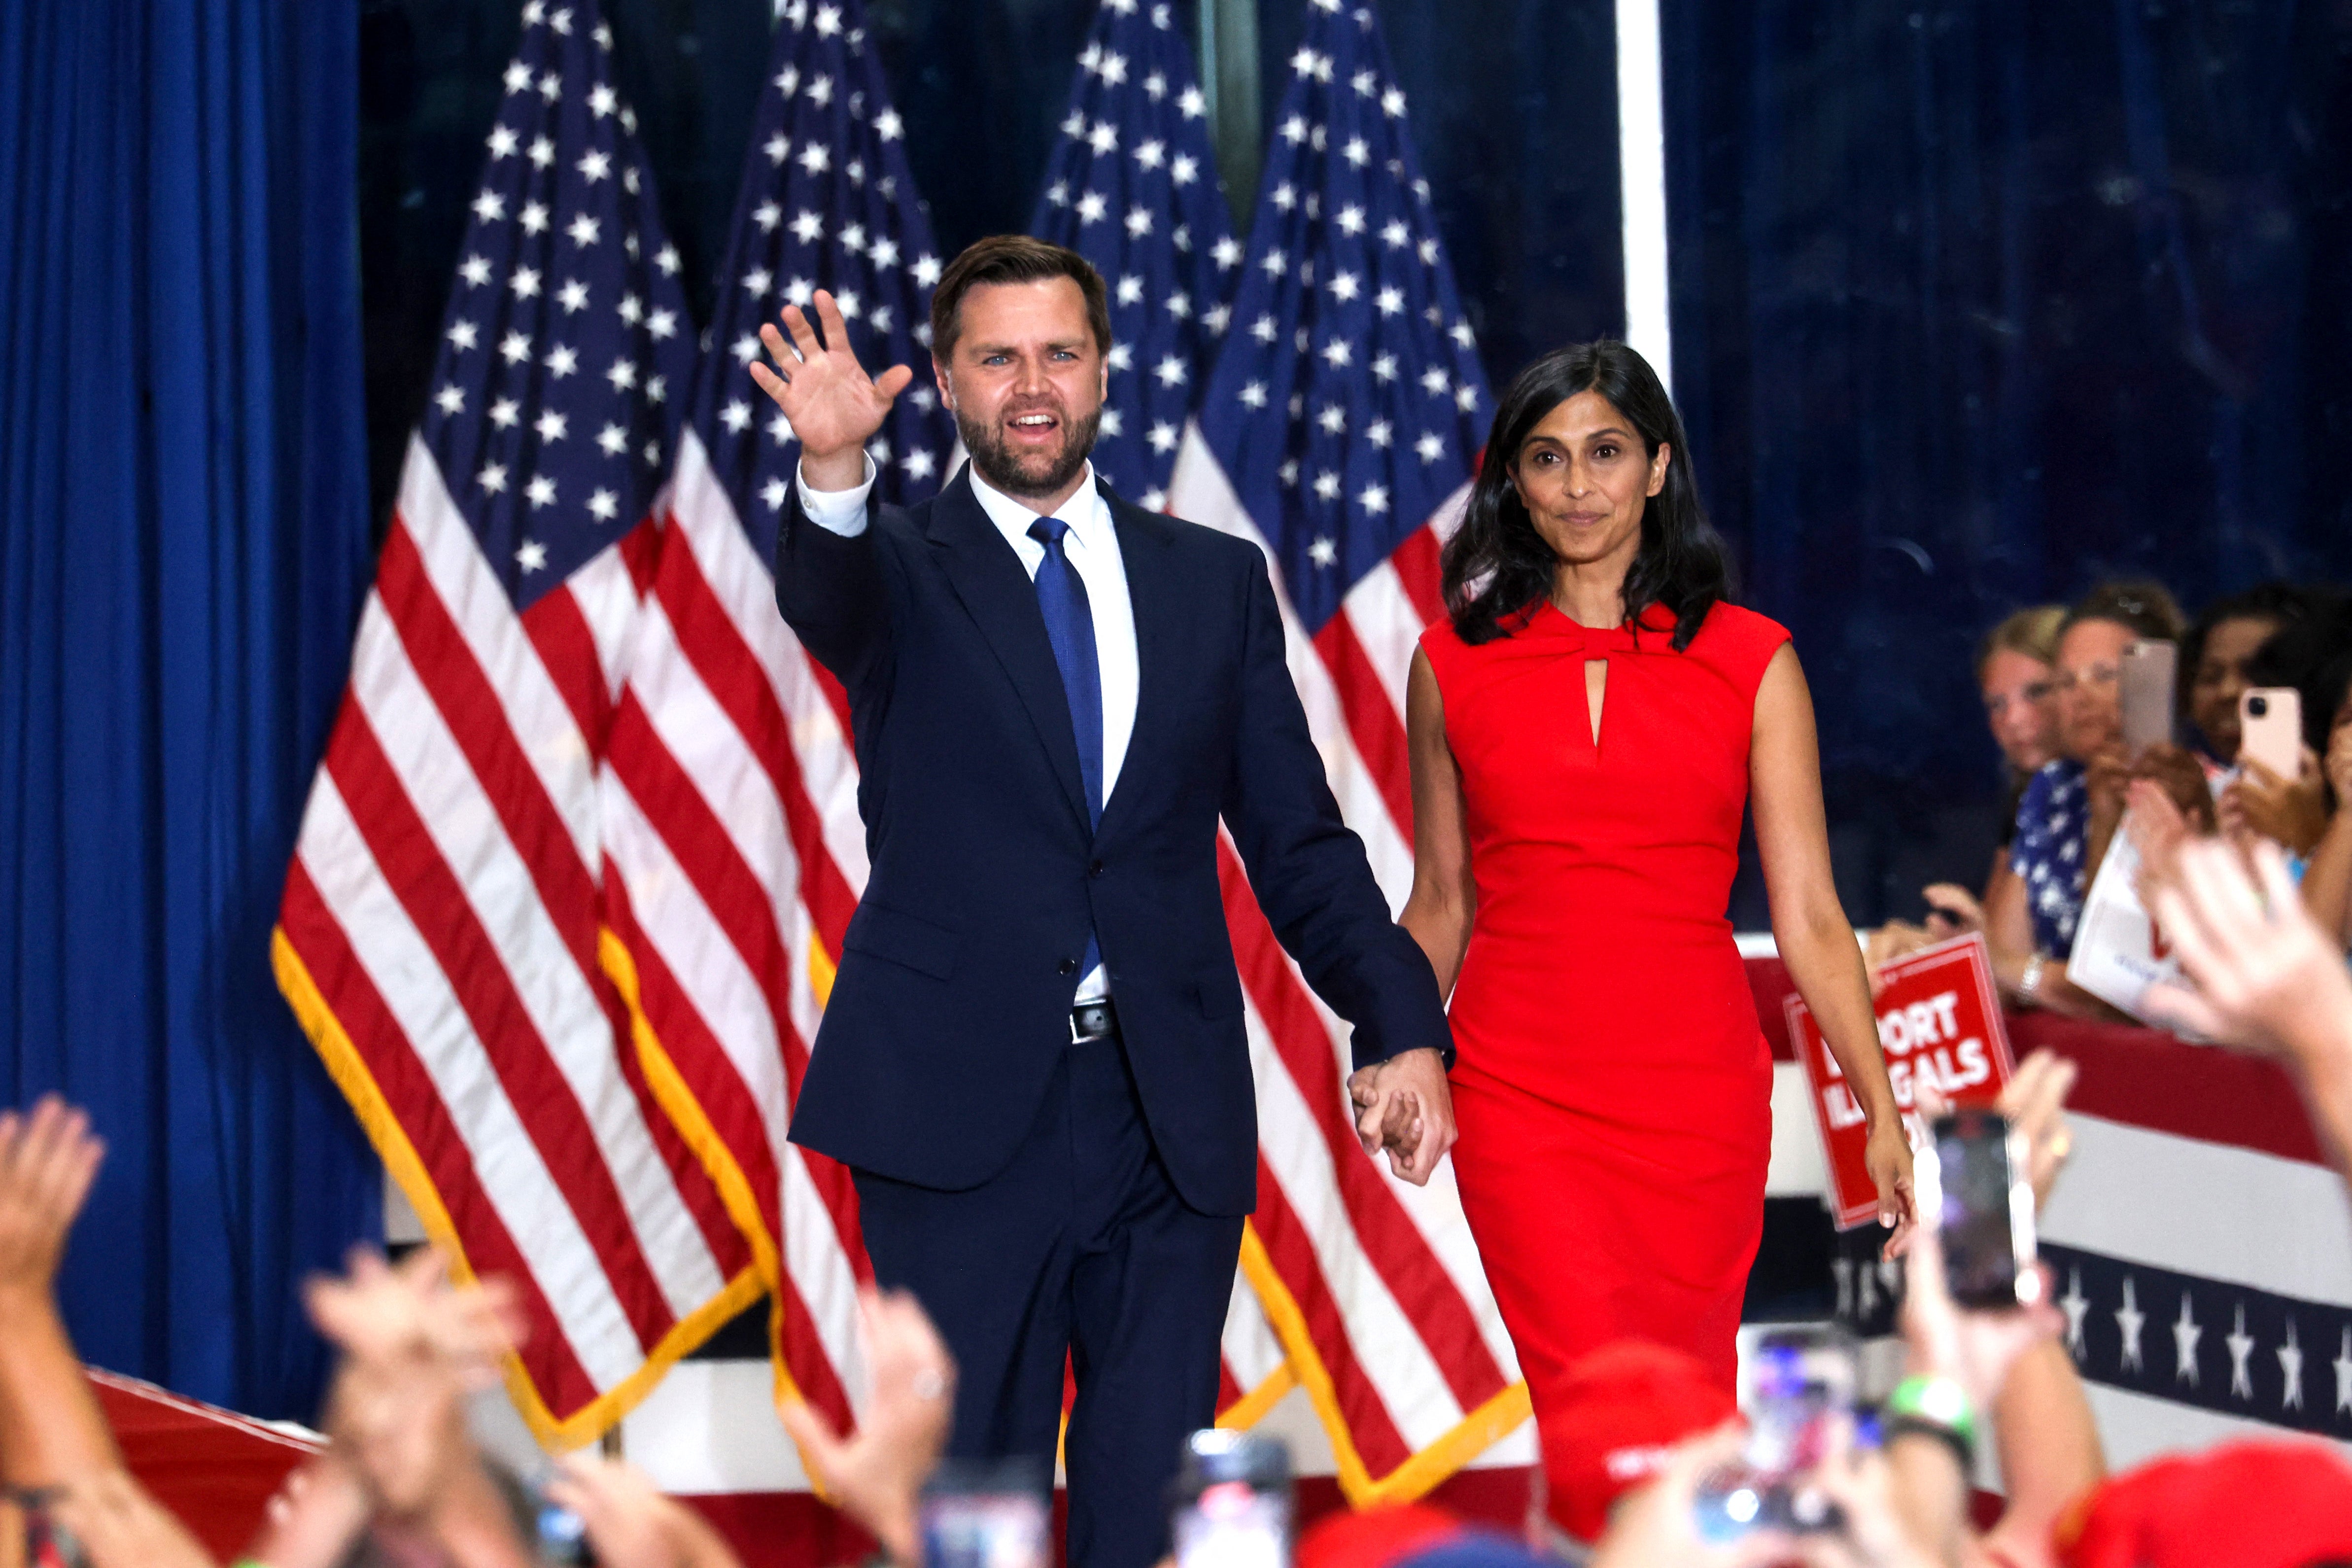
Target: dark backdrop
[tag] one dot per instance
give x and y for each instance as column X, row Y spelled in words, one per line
column 1515, row 116
column 1972, row 304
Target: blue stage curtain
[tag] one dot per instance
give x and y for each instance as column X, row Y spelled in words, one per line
column 1976, row 304
column 184, row 546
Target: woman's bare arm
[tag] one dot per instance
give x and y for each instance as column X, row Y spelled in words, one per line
column 2008, row 933
column 1816, row 940
column 1443, row 896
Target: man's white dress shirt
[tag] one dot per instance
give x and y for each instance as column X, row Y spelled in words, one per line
column 1092, row 546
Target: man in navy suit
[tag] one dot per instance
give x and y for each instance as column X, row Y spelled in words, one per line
column 1032, row 1059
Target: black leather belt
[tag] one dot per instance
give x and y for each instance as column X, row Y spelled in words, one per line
column 1092, row 1021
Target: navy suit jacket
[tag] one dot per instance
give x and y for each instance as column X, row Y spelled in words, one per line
column 951, row 1001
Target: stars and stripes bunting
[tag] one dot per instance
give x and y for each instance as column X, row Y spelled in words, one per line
column 1338, row 429
column 1133, row 186
column 438, row 932
column 734, row 851
column 2200, row 1246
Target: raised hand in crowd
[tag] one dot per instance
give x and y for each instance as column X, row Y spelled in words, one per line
column 1865, row 1489
column 2266, row 978
column 52, row 1432
column 876, row 1474
column 1657, row 1526
column 833, row 405
column 2035, row 1103
column 402, row 1464
column 2011, row 1364
column 53, row 1439
column 48, row 1160
column 2157, row 831
column 2046, row 1436
column 631, row 1523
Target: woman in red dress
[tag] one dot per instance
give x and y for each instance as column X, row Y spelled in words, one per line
column 1585, row 728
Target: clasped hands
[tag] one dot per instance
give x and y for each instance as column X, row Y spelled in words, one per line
column 1403, row 1105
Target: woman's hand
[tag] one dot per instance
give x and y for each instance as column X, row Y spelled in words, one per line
column 2182, row 777
column 629, row 1521
column 1867, row 1495
column 1655, row 1526
column 2266, row 978
column 2035, row 1104
column 1894, row 940
column 1887, row 1158
column 2157, row 831
column 48, row 1160
column 1974, row 1349
column 2290, row 812
column 1952, row 910
column 2105, row 778
column 875, row 1475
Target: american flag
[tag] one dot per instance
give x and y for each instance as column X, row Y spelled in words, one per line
column 735, row 852
column 1133, row 186
column 1339, row 429
column 438, row 934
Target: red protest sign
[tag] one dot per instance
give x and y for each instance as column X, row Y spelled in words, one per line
column 1939, row 1024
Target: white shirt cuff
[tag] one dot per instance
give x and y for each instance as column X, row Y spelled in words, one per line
column 837, row 511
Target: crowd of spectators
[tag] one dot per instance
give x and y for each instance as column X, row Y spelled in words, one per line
column 2051, row 679
column 2246, row 870
column 403, row 1483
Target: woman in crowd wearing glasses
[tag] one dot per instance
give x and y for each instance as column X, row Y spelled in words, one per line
column 2072, row 806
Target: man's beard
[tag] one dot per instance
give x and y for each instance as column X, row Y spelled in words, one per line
column 1041, row 474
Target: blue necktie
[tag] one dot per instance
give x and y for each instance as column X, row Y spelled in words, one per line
column 1070, row 628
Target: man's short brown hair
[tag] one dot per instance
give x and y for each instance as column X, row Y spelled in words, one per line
column 1014, row 259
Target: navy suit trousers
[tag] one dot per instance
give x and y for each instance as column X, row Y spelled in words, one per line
column 1081, row 1245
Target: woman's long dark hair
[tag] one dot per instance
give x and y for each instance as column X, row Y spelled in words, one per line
column 1497, row 564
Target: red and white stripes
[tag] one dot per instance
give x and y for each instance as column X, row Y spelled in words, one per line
column 439, row 938
column 1372, row 1285
column 734, row 857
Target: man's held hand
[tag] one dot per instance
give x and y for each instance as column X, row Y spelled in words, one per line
column 1405, row 1106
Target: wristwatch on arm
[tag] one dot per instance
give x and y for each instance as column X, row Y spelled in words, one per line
column 2029, row 983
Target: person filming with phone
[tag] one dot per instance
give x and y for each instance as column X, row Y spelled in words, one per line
column 2119, row 634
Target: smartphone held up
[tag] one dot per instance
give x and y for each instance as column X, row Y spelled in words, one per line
column 1977, row 1194
column 2270, row 729
column 1232, row 1504
column 987, row 1514
column 1796, row 1381
column 2146, row 693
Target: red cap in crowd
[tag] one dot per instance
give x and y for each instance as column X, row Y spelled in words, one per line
column 1622, row 1409
column 1414, row 1535
column 2242, row 1505
column 1375, row 1538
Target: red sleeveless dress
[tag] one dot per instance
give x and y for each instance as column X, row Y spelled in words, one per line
column 1613, row 1091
